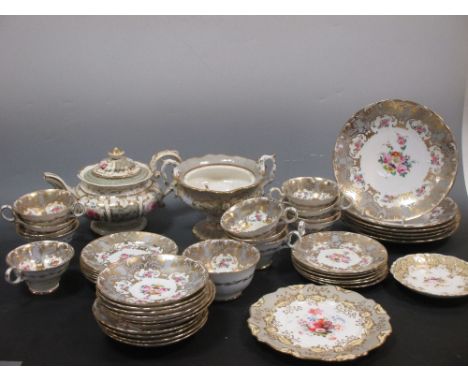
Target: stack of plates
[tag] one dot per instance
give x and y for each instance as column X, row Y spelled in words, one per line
column 99, row 253
column 440, row 223
column 154, row 300
column 340, row 258
column 396, row 161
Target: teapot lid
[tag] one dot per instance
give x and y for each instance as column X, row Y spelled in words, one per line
column 115, row 171
column 116, row 166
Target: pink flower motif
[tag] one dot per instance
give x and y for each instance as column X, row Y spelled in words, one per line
column 315, row 311
column 402, row 169
column 93, row 215
column 385, row 122
column 401, row 140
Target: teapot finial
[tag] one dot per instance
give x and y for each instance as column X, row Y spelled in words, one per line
column 116, row 153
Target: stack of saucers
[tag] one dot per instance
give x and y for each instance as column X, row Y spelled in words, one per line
column 440, row 223
column 99, row 253
column 261, row 222
column 316, row 200
column 154, row 300
column 45, row 215
column 339, row 258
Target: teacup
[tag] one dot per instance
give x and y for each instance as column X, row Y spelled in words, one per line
column 308, row 191
column 230, row 263
column 40, row 264
column 41, row 206
column 255, row 217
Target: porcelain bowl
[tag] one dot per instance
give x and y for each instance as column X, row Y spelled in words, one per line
column 230, row 263
column 40, row 264
column 256, row 217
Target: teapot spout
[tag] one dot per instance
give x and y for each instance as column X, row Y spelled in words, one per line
column 57, row 182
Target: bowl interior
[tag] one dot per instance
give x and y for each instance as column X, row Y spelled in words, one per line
column 219, row 173
column 222, row 256
column 219, row 177
column 40, row 256
column 44, row 203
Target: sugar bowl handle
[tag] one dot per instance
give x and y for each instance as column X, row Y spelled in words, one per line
column 8, row 218
column 9, row 279
column 159, row 158
column 276, row 194
column 268, row 176
column 169, row 180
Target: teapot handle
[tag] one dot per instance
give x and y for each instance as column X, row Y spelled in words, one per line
column 159, row 158
column 262, row 164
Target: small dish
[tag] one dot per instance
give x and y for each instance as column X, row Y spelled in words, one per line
column 255, row 217
column 43, row 206
column 432, row 274
column 99, row 253
column 40, row 264
column 308, row 191
column 230, row 263
column 151, row 280
column 64, row 235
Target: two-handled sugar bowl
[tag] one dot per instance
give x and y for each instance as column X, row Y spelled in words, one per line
column 215, row 182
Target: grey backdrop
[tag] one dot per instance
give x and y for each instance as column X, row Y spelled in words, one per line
column 73, row 87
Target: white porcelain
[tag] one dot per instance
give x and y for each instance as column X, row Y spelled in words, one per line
column 230, row 263
column 39, row 264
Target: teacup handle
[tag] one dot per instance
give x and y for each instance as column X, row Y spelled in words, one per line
column 293, row 215
column 262, row 164
column 291, row 236
column 78, row 209
column 158, row 159
column 9, row 279
column 345, row 199
column 169, row 181
column 7, row 207
column 276, row 191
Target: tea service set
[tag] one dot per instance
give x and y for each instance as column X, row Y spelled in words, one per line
column 394, row 163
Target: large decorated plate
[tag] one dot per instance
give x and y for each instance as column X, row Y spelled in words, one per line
column 153, row 279
column 99, row 253
column 395, row 160
column 432, row 274
column 324, row 323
